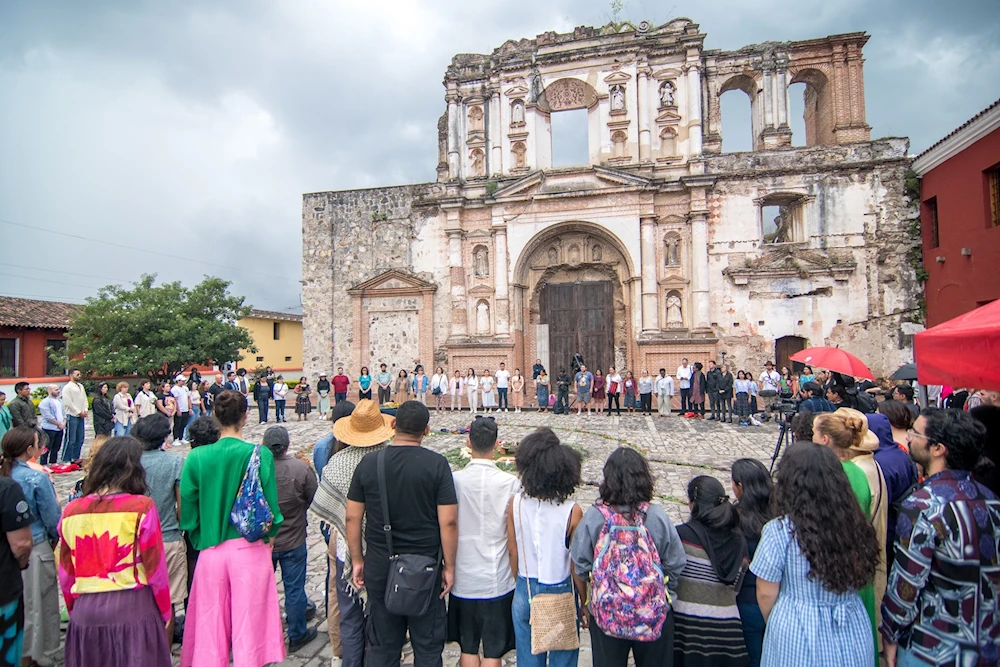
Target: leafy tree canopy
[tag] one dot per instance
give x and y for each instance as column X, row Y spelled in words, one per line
column 157, row 331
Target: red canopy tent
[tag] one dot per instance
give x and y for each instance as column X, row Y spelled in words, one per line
column 963, row 352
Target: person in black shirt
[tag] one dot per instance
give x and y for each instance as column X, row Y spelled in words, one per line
column 563, row 381
column 262, row 394
column 214, row 390
column 423, row 512
column 712, row 379
column 15, row 548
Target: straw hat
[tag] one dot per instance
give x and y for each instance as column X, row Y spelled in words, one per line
column 366, row 427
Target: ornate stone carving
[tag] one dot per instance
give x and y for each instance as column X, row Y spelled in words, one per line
column 482, row 317
column 618, row 98
column 553, row 256
column 481, row 261
column 574, row 254
column 478, row 159
column 476, row 119
column 672, row 250
column 517, row 113
column 596, row 253
column 675, row 318
column 519, row 151
column 667, row 90
column 567, row 94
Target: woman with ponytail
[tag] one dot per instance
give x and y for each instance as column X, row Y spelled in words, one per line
column 707, row 626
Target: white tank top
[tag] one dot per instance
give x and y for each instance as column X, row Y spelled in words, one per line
column 540, row 527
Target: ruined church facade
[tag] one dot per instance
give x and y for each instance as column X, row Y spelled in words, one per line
column 661, row 247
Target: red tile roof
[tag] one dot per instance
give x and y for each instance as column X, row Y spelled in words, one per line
column 29, row 313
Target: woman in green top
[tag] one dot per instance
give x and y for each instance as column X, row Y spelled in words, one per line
column 5, row 417
column 233, row 605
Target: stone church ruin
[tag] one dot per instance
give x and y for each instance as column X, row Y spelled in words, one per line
column 660, row 247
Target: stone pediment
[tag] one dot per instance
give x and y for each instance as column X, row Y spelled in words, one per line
column 668, row 117
column 791, row 261
column 516, row 91
column 584, row 181
column 618, row 77
column 393, row 283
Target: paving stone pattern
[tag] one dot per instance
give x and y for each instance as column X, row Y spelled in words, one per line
column 677, row 448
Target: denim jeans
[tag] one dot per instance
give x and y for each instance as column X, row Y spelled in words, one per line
column 906, row 658
column 123, row 429
column 522, row 628
column 262, row 405
column 293, row 576
column 753, row 631
column 279, row 410
column 502, row 398
column 73, row 445
column 562, row 402
column 352, row 622
column 54, row 444
column 194, row 414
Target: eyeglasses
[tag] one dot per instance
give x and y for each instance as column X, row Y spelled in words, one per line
column 914, row 434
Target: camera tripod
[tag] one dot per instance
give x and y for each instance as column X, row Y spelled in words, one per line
column 784, row 436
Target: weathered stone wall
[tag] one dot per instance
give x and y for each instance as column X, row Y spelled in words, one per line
column 349, row 237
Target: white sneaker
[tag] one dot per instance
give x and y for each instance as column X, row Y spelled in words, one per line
column 505, row 409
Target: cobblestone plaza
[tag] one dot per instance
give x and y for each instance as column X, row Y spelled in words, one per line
column 677, row 448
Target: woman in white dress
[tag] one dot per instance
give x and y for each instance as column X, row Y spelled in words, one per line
column 472, row 389
column 486, row 383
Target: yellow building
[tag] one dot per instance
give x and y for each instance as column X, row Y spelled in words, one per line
column 278, row 338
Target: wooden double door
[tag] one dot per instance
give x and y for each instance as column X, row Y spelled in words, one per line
column 580, row 317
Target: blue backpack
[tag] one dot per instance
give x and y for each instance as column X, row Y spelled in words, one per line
column 251, row 515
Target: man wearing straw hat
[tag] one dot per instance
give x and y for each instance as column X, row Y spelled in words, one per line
column 423, row 514
column 364, row 431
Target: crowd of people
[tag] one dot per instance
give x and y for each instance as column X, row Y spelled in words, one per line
column 155, row 548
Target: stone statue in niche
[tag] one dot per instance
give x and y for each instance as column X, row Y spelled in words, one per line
column 618, row 139
column 553, row 256
column 675, row 319
column 574, row 254
column 673, row 253
column 482, row 318
column 476, row 119
column 481, row 262
column 478, row 162
column 618, row 98
column 517, row 113
column 519, row 150
column 667, row 90
column 596, row 253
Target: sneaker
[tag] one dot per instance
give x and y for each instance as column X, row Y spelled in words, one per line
column 295, row 645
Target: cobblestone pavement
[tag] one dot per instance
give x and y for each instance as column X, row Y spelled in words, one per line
column 677, row 448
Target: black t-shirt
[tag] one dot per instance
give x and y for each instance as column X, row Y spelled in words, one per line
column 14, row 515
column 215, row 389
column 418, row 480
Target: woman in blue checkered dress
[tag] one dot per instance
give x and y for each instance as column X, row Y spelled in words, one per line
column 816, row 620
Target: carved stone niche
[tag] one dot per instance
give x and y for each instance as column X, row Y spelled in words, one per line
column 517, row 113
column 566, row 94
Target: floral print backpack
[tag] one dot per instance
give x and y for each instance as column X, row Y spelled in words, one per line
column 251, row 515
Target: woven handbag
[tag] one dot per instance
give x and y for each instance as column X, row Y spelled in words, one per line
column 552, row 616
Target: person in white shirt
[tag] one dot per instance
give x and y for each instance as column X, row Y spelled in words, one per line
column 479, row 615
column 74, row 399
column 124, row 409
column 280, row 391
column 770, row 388
column 457, row 387
column 684, row 382
column 503, row 385
column 472, row 389
column 145, row 400
column 664, row 393
column 615, row 388
column 486, row 383
column 439, row 388
column 53, row 423
column 182, row 397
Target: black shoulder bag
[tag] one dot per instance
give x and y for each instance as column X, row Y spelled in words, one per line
column 413, row 579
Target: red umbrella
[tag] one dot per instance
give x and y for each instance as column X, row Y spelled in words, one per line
column 834, row 359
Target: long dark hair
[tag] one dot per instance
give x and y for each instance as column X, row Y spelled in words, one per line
column 117, row 466
column 627, row 480
column 754, row 506
column 813, row 491
column 710, row 504
column 15, row 442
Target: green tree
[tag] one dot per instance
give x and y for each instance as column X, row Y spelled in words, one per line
column 157, row 330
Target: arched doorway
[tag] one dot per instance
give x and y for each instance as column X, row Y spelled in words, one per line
column 784, row 348
column 574, row 280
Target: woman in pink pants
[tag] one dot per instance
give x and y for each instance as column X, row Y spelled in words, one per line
column 233, row 605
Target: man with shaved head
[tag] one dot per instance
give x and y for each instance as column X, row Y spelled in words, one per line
column 53, row 423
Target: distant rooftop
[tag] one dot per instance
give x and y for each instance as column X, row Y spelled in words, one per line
column 275, row 315
column 34, row 314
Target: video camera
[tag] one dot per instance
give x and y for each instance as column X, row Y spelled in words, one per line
column 786, row 407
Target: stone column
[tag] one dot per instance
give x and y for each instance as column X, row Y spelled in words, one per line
column 699, row 271
column 694, row 109
column 459, row 317
column 500, row 280
column 643, row 106
column 647, row 251
column 454, row 140
column 496, row 134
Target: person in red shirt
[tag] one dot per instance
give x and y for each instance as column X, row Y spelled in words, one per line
column 341, row 383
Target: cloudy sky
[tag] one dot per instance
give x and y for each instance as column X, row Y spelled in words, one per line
column 177, row 137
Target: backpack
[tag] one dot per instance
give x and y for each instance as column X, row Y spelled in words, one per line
column 251, row 515
column 628, row 596
column 866, row 402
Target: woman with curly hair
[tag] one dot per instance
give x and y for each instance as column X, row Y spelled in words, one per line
column 541, row 521
column 846, row 433
column 707, row 627
column 752, row 487
column 808, row 573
